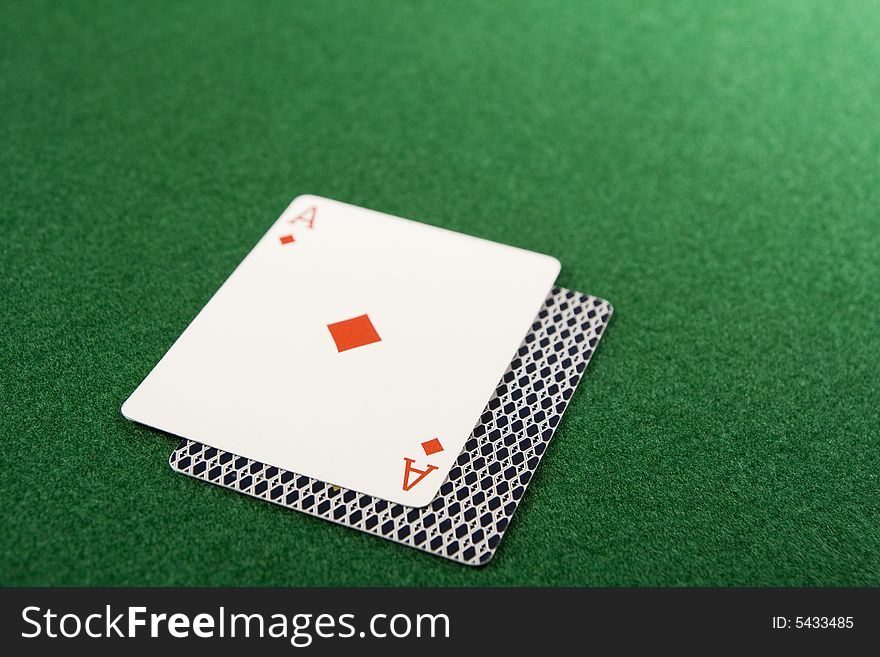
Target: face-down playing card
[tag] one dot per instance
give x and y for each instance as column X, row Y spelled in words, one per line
column 350, row 346
column 471, row 511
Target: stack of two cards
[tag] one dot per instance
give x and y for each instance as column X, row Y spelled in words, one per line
column 387, row 375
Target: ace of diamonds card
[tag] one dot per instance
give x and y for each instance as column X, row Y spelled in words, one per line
column 352, row 347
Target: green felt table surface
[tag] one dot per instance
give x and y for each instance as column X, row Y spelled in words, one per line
column 713, row 169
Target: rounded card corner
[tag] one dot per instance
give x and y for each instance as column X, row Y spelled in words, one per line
column 556, row 263
column 305, row 198
column 420, row 503
column 125, row 410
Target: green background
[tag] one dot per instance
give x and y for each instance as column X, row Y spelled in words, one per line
column 711, row 168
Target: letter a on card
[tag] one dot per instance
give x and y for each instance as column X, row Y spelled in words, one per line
column 407, row 484
column 306, row 216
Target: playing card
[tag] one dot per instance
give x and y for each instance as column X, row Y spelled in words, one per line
column 470, row 513
column 350, row 346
